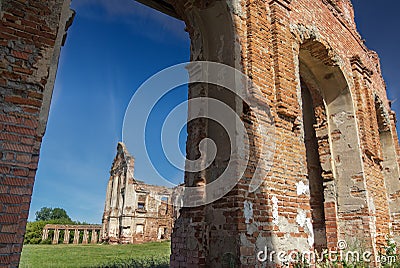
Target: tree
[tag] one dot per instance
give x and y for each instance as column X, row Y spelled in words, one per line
column 59, row 213
column 46, row 214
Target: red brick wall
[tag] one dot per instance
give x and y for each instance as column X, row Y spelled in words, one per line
column 262, row 39
column 268, row 35
column 28, row 44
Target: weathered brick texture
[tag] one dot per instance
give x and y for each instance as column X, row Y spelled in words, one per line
column 339, row 137
column 284, row 46
column 31, row 33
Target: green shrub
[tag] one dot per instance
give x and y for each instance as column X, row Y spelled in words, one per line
column 34, row 231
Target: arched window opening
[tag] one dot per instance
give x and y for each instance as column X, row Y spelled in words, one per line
column 334, row 163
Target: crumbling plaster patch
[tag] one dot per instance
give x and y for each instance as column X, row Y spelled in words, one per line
column 303, row 221
column 302, row 188
column 248, row 211
column 236, row 8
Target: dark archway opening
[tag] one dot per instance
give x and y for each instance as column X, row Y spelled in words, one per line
column 314, row 170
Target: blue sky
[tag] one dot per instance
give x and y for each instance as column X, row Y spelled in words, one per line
column 111, row 49
column 379, row 24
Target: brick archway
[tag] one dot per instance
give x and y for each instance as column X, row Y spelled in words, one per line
column 261, row 39
column 340, row 181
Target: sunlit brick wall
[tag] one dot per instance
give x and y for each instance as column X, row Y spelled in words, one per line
column 30, row 40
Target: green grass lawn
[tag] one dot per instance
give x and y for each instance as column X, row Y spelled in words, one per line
column 90, row 255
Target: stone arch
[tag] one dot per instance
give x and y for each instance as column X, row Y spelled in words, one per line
column 390, row 165
column 211, row 29
column 339, row 149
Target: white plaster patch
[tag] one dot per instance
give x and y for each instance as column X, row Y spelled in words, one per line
column 310, row 238
column 373, row 222
column 275, row 213
column 372, row 205
column 301, row 218
column 235, row 7
column 305, row 32
column 303, row 221
column 248, row 211
column 339, row 118
column 302, row 188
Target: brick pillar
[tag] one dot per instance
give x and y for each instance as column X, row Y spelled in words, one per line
column 45, row 234
column 66, row 236
column 56, row 236
column 330, row 209
column 365, row 113
column 199, row 240
column 85, row 236
column 283, row 61
column 357, row 75
column 31, row 35
column 76, row 236
column 94, row 237
column 371, row 147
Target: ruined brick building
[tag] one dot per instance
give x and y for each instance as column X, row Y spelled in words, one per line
column 335, row 171
column 134, row 212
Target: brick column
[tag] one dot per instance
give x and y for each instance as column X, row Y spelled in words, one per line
column 372, row 154
column 66, row 236
column 365, row 113
column 31, row 35
column 283, row 61
column 94, row 237
column 330, row 209
column 56, row 236
column 85, row 236
column 45, row 234
column 76, row 236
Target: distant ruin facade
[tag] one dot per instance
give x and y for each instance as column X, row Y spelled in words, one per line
column 134, row 212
